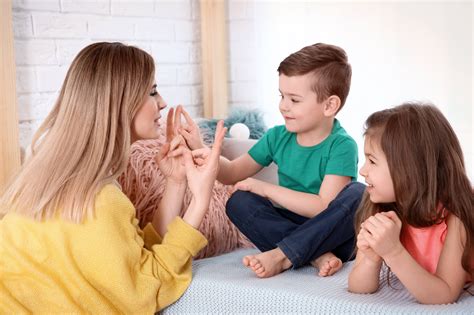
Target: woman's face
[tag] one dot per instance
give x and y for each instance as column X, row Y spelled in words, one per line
column 146, row 124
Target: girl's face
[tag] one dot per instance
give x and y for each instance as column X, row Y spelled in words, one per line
column 145, row 124
column 376, row 173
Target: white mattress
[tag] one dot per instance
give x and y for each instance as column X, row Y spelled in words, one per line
column 223, row 285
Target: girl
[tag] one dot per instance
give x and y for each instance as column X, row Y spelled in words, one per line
column 416, row 215
column 69, row 239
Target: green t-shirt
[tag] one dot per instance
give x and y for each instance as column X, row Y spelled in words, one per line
column 303, row 168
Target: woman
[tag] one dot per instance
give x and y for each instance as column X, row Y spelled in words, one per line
column 69, row 239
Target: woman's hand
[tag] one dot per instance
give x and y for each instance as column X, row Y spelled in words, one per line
column 383, row 233
column 189, row 131
column 169, row 158
column 202, row 174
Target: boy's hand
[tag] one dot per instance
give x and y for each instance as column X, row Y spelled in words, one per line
column 383, row 233
column 250, row 184
column 189, row 131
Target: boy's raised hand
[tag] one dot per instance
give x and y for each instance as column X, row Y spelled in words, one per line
column 190, row 130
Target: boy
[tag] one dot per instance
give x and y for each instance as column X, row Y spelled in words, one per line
column 316, row 159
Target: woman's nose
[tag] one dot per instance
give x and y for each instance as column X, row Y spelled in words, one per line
column 162, row 104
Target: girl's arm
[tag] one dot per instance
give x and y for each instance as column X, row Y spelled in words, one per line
column 364, row 276
column 304, row 204
column 446, row 284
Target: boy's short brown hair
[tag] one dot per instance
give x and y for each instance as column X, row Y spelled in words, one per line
column 329, row 65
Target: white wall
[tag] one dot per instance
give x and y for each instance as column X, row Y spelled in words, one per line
column 399, row 51
column 49, row 33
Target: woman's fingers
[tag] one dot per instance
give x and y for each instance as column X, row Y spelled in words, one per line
column 218, row 140
column 177, row 118
column 185, row 133
column 188, row 161
column 177, row 152
column 201, row 153
column 162, row 153
column 188, row 118
column 176, row 142
column 170, row 125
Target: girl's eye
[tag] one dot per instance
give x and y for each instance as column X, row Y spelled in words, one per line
column 371, row 161
column 295, row 101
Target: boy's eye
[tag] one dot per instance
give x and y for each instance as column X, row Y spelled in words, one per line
column 294, row 101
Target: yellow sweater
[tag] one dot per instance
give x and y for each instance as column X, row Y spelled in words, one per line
column 105, row 265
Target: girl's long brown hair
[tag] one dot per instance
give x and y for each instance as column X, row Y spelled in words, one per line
column 427, row 168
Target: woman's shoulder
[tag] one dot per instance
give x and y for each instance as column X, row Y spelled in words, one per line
column 111, row 196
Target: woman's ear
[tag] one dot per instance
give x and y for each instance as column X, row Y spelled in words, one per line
column 332, row 105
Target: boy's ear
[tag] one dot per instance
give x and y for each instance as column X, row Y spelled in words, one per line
column 332, row 105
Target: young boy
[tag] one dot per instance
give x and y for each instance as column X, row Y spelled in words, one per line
column 317, row 160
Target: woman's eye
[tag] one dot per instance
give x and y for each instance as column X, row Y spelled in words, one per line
column 295, row 101
column 154, row 92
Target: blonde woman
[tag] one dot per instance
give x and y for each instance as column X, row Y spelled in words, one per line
column 69, row 239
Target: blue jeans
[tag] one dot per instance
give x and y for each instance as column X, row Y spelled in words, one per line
column 301, row 239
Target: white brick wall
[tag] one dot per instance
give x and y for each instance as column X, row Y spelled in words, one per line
column 242, row 80
column 49, row 34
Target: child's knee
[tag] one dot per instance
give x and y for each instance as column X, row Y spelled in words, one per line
column 356, row 188
column 237, row 203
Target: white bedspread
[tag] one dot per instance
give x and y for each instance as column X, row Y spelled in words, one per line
column 223, row 285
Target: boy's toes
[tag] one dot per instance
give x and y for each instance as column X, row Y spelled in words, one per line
column 253, row 262
column 260, row 271
column 246, row 260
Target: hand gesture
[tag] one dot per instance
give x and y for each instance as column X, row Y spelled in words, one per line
column 189, row 131
column 383, row 233
column 252, row 185
column 201, row 176
column 169, row 158
column 364, row 247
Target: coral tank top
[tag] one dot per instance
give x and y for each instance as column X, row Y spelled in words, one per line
column 425, row 244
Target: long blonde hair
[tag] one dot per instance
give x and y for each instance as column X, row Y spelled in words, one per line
column 84, row 142
column 427, row 168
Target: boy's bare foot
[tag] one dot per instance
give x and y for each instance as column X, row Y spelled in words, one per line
column 267, row 264
column 328, row 264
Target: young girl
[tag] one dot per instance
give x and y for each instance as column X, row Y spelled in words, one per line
column 69, row 239
column 417, row 212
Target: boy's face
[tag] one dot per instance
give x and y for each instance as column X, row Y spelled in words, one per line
column 299, row 105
